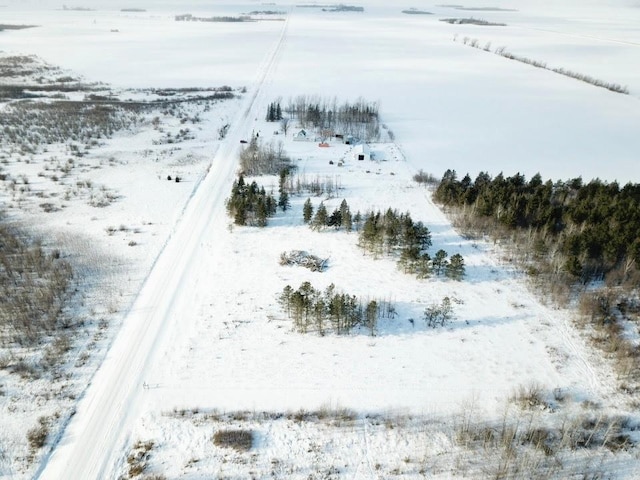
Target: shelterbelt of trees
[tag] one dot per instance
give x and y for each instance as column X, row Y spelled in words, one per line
column 593, row 228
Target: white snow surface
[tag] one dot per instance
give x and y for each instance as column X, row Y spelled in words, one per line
column 201, row 324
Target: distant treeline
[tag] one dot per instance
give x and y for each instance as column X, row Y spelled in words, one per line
column 343, row 8
column 191, row 18
column 472, row 21
column 333, row 8
column 4, row 26
column 268, row 12
column 591, row 228
column 414, row 11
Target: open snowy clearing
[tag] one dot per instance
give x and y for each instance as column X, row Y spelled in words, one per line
column 235, row 351
column 221, row 342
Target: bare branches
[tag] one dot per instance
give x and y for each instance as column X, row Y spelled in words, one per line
column 303, row 259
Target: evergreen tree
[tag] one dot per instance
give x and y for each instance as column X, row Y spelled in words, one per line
column 573, row 266
column 357, row 220
column 392, row 229
column 455, row 268
column 335, row 219
column 409, row 256
column 261, row 212
column 423, row 266
column 370, row 236
column 320, row 218
column 283, row 199
column 240, row 212
column 270, row 113
column 347, row 223
column 345, row 216
column 440, row 261
column 307, row 211
column 271, row 205
column 241, row 182
column 285, row 299
column 371, row 316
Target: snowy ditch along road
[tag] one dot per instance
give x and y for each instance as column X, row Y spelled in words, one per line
column 93, row 443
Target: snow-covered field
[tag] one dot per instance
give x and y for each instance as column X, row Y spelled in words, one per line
column 175, row 298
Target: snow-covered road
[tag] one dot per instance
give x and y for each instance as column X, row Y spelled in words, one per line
column 92, row 445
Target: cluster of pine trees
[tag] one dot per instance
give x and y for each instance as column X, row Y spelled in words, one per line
column 391, row 233
column 274, row 112
column 397, row 234
column 593, row 228
column 250, row 204
column 331, row 311
column 425, row 266
column 339, row 218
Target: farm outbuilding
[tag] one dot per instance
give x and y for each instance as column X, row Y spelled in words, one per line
column 361, row 152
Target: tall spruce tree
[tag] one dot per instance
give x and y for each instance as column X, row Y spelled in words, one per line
column 307, row 211
column 283, row 199
column 440, row 261
column 320, row 218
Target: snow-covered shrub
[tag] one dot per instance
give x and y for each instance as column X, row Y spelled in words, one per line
column 240, row 440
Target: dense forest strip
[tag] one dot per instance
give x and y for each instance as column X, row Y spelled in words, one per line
column 588, row 230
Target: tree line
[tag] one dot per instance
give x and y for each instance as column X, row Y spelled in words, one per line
column 592, row 228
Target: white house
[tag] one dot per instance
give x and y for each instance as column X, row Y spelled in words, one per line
column 301, row 136
column 361, row 152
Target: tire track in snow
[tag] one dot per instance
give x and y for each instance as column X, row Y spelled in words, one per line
column 94, row 441
column 367, row 452
column 567, row 333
